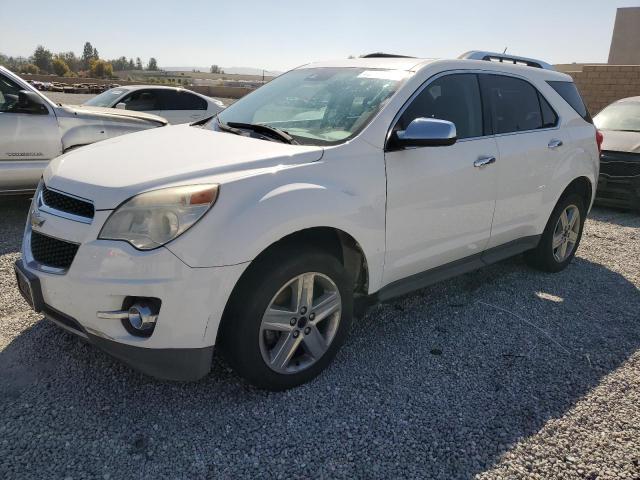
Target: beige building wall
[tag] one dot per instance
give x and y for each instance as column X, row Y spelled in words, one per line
column 602, row 84
column 625, row 43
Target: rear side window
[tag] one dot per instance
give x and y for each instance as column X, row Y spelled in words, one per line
column 569, row 92
column 181, row 100
column 515, row 105
column 455, row 98
column 549, row 117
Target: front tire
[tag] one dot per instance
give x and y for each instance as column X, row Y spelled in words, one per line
column 561, row 236
column 287, row 318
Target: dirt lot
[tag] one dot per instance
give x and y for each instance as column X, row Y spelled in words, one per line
column 501, row 373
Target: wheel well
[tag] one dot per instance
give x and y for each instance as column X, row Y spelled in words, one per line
column 335, row 242
column 331, row 240
column 581, row 186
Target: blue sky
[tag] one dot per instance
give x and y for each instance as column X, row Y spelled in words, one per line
column 281, row 34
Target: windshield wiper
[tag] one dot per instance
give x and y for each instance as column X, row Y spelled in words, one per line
column 262, row 129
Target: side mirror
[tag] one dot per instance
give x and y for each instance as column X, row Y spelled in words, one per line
column 121, row 106
column 426, row 132
column 30, row 102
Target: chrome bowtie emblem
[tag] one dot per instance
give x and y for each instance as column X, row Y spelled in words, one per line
column 36, row 219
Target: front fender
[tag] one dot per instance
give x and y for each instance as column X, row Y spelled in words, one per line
column 248, row 218
column 76, row 132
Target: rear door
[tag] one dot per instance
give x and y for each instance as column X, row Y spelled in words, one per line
column 29, row 138
column 182, row 106
column 531, row 146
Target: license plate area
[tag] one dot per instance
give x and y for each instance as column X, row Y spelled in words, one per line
column 29, row 287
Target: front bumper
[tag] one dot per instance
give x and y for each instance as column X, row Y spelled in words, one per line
column 619, row 180
column 178, row 364
column 104, row 273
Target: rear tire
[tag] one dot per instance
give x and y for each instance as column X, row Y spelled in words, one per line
column 275, row 334
column 561, row 236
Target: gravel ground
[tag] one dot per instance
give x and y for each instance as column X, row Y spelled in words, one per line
column 79, row 98
column 501, row 373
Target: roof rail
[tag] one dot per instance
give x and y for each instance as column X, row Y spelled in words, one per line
column 504, row 58
column 384, row 55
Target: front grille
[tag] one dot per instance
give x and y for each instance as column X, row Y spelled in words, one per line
column 52, row 252
column 66, row 203
column 620, row 164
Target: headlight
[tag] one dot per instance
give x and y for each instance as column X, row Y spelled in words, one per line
column 151, row 219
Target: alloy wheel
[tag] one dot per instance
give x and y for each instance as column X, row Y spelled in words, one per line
column 300, row 323
column 565, row 235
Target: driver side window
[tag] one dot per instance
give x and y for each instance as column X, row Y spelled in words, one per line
column 142, row 101
column 9, row 92
column 455, row 98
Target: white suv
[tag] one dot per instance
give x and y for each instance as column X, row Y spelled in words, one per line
column 262, row 230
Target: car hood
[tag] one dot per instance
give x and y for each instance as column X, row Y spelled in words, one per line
column 114, row 170
column 617, row 141
column 113, row 113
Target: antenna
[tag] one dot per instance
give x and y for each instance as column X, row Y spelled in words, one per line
column 505, row 50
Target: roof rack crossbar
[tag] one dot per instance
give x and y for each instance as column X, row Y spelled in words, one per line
column 504, row 58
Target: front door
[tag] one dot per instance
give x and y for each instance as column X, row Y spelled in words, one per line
column 146, row 100
column 439, row 203
column 29, row 138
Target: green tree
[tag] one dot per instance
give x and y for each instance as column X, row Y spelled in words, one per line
column 87, row 55
column 42, row 58
column 60, row 67
column 132, row 65
column 29, row 68
column 120, row 64
column 71, row 60
column 100, row 69
column 215, row 69
column 138, row 63
column 152, row 65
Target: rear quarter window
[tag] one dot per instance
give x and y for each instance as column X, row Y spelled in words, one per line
column 569, row 92
column 182, row 100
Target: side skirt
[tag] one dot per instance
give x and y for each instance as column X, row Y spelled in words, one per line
column 453, row 269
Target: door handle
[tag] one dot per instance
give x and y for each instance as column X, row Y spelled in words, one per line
column 555, row 143
column 484, row 161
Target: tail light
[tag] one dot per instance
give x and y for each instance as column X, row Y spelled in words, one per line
column 599, row 140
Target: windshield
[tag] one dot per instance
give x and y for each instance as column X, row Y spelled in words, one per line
column 105, row 99
column 619, row 116
column 317, row 106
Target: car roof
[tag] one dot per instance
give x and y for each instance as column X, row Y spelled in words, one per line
column 387, row 63
column 138, row 87
column 415, row 64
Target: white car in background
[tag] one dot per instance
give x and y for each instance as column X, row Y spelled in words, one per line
column 33, row 130
column 177, row 105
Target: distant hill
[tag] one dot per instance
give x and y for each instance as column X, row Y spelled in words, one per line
column 229, row 70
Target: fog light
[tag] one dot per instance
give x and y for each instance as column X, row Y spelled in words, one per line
column 141, row 317
column 138, row 315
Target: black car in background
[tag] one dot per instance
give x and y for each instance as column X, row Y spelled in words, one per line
column 619, row 182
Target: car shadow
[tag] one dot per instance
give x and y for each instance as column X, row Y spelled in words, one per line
column 439, row 383
column 615, row 216
column 13, row 211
